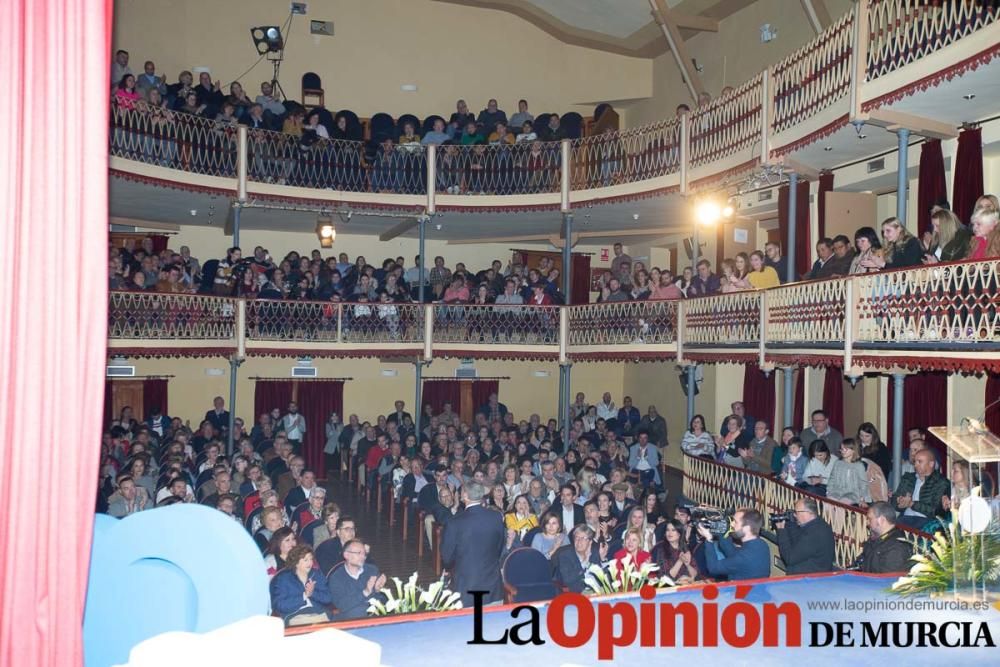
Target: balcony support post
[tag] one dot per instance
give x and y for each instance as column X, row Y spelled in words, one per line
column 234, row 364
column 897, row 428
column 692, row 371
column 421, row 287
column 902, row 182
column 241, row 181
column 789, row 409
column 793, row 183
column 565, row 368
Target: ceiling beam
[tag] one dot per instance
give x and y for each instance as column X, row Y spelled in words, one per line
column 664, row 18
column 925, row 127
column 695, row 22
column 577, row 236
column 398, row 230
column 817, row 14
column 145, row 224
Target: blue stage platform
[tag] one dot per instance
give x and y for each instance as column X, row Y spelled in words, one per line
column 442, row 639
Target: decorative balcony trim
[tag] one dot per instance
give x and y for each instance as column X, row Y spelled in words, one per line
column 827, row 130
column 170, row 350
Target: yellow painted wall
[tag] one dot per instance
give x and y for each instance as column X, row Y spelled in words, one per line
column 448, row 51
column 369, row 393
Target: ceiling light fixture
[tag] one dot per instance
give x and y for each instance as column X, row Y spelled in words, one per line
column 828, row 148
column 969, row 96
column 326, row 232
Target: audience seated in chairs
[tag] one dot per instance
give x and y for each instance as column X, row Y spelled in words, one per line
column 299, row 592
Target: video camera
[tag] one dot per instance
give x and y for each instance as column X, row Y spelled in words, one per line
column 712, row 518
column 777, row 517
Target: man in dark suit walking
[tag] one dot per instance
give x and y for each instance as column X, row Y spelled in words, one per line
column 471, row 547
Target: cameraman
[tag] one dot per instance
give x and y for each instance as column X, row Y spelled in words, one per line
column 806, row 546
column 750, row 560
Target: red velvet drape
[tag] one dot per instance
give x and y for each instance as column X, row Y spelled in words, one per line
column 968, row 184
column 316, row 400
column 931, row 185
column 833, row 397
column 108, row 404
column 159, row 242
column 481, row 390
column 925, row 403
column 759, row 395
column 580, row 279
column 154, row 395
column 53, row 331
column 720, row 247
column 270, row 394
column 438, row 392
column 992, row 394
column 800, row 403
column 803, row 244
column 825, row 185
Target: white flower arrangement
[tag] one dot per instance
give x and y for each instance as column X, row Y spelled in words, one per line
column 409, row 598
column 624, row 577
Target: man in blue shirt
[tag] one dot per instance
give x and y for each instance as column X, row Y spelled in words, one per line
column 750, row 560
column 704, row 283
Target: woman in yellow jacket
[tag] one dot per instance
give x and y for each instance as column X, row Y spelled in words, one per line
column 521, row 520
column 761, row 276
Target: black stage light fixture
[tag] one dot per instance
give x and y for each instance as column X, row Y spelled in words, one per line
column 267, row 39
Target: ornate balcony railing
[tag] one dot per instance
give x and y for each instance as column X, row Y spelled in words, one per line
column 903, row 31
column 724, row 319
column 623, row 323
column 813, row 77
column 728, row 488
column 166, row 317
column 729, row 125
column 627, row 156
column 951, row 308
column 496, row 324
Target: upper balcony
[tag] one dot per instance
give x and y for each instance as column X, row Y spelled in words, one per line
column 876, row 56
column 944, row 317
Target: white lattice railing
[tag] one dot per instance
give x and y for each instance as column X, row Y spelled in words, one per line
column 813, row 77
column 305, row 321
column 623, row 323
column 903, row 31
column 807, row 312
column 627, row 156
column 146, row 315
column 947, row 302
column 729, row 125
column 496, row 324
column 724, row 319
column 728, row 488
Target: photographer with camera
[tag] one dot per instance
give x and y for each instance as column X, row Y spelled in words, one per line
column 750, row 560
column 805, row 546
column 887, row 551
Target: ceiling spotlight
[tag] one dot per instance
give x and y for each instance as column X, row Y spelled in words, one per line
column 828, row 148
column 267, row 39
column 969, row 96
column 862, row 136
column 326, row 232
column 708, row 212
column 728, row 211
column 438, row 227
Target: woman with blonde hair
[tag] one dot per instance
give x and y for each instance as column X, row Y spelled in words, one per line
column 985, row 243
column 902, row 249
column 950, row 239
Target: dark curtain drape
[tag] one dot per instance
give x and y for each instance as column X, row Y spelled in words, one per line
column 270, row 394
column 438, row 392
column 758, row 395
column 580, row 279
column 925, row 403
column 803, row 244
column 833, row 398
column 159, row 242
column 825, row 185
column 154, row 395
column 108, row 417
column 481, row 390
column 800, row 403
column 316, row 400
column 993, row 394
column 931, row 185
column 720, row 246
column 968, row 185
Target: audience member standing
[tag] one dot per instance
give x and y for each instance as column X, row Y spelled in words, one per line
column 472, row 545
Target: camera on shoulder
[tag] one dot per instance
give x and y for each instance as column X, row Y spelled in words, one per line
column 778, row 517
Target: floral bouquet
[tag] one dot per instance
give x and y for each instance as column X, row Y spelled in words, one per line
column 409, row 598
column 952, row 562
column 624, row 577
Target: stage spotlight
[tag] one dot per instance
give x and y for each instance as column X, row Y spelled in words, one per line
column 326, row 232
column 708, row 212
column 728, row 211
column 267, row 38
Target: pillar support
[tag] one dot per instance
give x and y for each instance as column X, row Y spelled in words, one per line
column 789, row 409
column 793, row 183
column 902, row 182
column 898, row 429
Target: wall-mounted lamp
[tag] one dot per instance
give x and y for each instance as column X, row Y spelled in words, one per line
column 326, row 232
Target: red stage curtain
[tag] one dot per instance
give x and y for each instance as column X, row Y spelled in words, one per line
column 481, row 390
column 154, row 395
column 53, row 331
column 803, row 245
column 580, row 279
column 159, row 242
column 438, row 392
column 931, row 185
column 833, row 398
column 968, row 185
column 825, row 185
column 758, row 395
column 992, row 394
column 271, row 394
column 317, row 399
column 925, row 403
